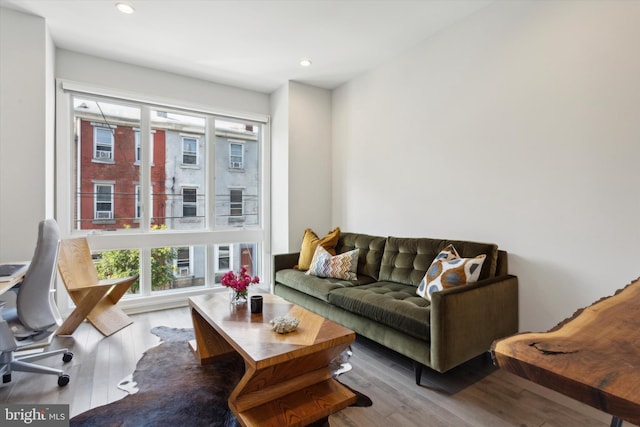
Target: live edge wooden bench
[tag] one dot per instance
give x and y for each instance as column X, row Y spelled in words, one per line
column 593, row 357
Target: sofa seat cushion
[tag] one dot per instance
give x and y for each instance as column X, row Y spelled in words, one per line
column 318, row 287
column 392, row 304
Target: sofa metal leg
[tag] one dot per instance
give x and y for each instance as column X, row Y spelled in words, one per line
column 417, row 367
column 616, row 422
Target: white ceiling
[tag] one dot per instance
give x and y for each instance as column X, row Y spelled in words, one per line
column 252, row 44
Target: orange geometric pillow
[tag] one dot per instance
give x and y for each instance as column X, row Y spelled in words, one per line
column 310, row 242
column 447, row 272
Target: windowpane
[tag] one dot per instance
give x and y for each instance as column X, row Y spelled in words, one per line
column 103, row 143
column 138, row 146
column 182, row 203
column 235, row 156
column 182, row 259
column 118, row 263
column 237, row 182
column 177, row 267
column 235, row 202
column 224, row 262
column 106, row 174
column 233, row 257
column 104, row 137
column 189, row 151
column 189, row 202
column 103, row 202
column 113, row 162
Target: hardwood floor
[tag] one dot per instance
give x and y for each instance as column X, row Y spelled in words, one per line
column 474, row 394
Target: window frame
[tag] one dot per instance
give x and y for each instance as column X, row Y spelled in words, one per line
column 96, row 193
column 178, row 261
column 236, row 165
column 196, row 141
column 230, row 252
column 239, row 191
column 137, row 146
column 146, row 237
column 97, row 127
column 137, row 206
column 190, row 204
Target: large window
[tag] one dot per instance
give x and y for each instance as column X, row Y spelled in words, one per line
column 174, row 194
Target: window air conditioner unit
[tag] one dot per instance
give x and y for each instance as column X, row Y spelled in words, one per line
column 236, row 165
column 104, row 215
column 183, row 271
column 103, row 154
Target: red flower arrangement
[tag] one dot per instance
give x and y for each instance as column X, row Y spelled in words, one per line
column 239, row 283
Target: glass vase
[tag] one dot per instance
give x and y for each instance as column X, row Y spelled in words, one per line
column 239, row 297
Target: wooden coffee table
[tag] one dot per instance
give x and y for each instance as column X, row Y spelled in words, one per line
column 287, row 380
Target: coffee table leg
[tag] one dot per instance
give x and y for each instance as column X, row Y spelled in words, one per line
column 209, row 345
column 294, row 392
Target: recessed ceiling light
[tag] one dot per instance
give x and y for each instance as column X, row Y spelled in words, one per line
column 125, row 8
column 305, row 63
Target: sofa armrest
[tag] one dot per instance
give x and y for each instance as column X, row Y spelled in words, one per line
column 284, row 261
column 465, row 320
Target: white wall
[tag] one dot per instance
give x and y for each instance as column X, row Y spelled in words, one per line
column 150, row 82
column 309, row 161
column 28, row 68
column 280, row 173
column 301, row 164
column 26, row 132
column 521, row 126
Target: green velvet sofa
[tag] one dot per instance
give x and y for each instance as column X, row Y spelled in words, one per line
column 458, row 324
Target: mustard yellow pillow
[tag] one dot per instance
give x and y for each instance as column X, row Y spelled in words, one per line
column 310, row 242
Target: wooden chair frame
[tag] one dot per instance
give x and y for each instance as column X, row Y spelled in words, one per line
column 95, row 299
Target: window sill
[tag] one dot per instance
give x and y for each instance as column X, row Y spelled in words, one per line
column 104, row 221
column 189, row 166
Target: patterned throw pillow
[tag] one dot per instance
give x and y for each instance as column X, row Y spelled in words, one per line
column 310, row 241
column 446, row 273
column 343, row 266
column 447, row 253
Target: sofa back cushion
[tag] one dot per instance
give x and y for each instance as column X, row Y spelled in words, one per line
column 370, row 251
column 406, row 260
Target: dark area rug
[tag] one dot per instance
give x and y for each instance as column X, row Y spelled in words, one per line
column 173, row 389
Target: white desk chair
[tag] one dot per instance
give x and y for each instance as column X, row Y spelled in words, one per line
column 33, row 319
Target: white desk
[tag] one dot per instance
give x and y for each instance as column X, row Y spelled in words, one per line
column 8, row 282
column 7, row 342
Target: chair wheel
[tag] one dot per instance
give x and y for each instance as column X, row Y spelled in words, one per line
column 63, row 380
column 67, row 356
column 6, row 378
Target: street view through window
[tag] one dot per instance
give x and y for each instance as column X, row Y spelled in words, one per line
column 167, row 180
